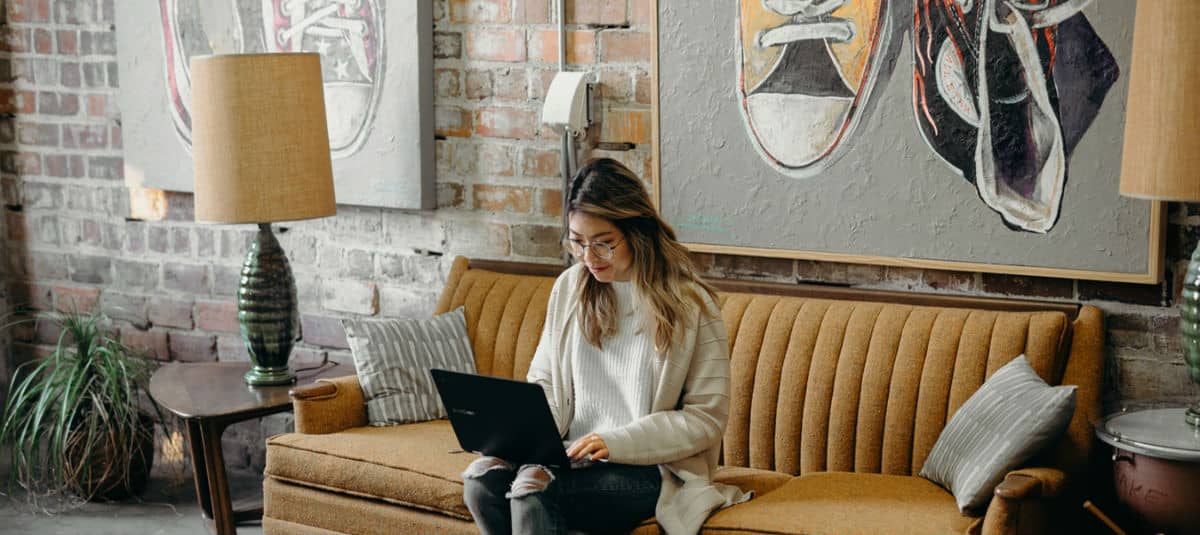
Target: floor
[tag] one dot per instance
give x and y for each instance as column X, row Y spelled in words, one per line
column 168, row 507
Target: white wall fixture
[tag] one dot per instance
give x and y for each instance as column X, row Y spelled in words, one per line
column 566, row 105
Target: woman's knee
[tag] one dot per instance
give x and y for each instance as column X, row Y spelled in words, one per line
column 486, row 479
column 531, row 479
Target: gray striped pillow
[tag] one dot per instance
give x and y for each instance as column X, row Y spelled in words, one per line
column 1012, row 417
column 392, row 358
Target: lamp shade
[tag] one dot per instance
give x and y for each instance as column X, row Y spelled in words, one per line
column 1161, row 158
column 260, row 144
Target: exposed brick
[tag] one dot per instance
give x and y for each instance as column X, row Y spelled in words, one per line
column 615, row 86
column 98, row 43
column 359, row 264
column 581, row 46
column 643, row 87
column 65, row 165
column 181, row 206
column 536, row 240
column 125, row 307
column 91, row 269
column 356, row 222
column 84, row 136
column 181, row 241
column 68, row 42
column 477, row 239
column 480, row 11
column 502, row 198
column 171, row 312
column 446, row 83
column 69, row 74
column 353, row 296
column 403, row 302
column 532, row 11
column 754, row 267
column 35, row 296
column 76, row 299
column 134, row 275
column 189, row 347
column 540, row 162
column 37, row 134
column 539, row 82
column 28, row 11
column 323, row 331
column 625, row 126
column 449, row 194
column 217, row 316
column 447, row 45
column 601, row 12
column 232, row 349
column 152, row 343
column 550, row 202
column 510, row 84
column 15, row 39
column 496, row 45
column 44, row 266
column 510, row 123
column 954, row 281
column 226, row 280
column 496, row 159
column 479, row 84
column 188, row 278
column 235, row 243
column 641, row 11
column 158, row 239
column 41, row 195
column 43, row 41
column 106, row 167
column 205, row 243
column 452, row 121
column 94, row 74
column 1028, row 286
column 624, row 46
column 57, row 103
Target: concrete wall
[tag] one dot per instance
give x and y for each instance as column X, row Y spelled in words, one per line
column 170, row 283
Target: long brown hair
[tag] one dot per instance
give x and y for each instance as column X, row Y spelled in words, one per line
column 663, row 274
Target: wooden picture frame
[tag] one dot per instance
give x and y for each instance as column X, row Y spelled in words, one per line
column 1152, row 215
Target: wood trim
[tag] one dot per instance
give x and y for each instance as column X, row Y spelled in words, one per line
column 817, row 291
column 1156, row 236
column 517, row 268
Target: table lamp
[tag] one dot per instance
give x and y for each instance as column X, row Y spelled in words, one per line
column 1161, row 158
column 260, row 147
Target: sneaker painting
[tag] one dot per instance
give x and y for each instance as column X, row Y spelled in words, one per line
column 806, row 74
column 347, row 33
column 1003, row 91
column 349, row 36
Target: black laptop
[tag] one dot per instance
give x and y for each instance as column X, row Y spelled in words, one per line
column 502, row 418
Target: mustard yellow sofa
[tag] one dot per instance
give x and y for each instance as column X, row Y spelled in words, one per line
column 838, row 396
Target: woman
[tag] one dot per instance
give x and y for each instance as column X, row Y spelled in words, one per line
column 634, row 360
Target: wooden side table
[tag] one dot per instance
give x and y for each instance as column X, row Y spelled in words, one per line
column 211, row 396
column 1156, row 466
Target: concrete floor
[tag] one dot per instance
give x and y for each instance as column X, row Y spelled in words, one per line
column 168, row 507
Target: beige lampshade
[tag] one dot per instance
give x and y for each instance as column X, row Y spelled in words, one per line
column 1161, row 159
column 260, row 145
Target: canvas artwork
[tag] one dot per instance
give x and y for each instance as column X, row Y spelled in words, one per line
column 376, row 60
column 990, row 129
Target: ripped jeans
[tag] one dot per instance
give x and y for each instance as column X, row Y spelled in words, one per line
column 601, row 498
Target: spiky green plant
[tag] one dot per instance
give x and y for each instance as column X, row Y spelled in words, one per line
column 73, row 420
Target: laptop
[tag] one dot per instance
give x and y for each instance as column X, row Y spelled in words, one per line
column 501, row 418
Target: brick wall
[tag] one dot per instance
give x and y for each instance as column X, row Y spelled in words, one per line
column 169, row 283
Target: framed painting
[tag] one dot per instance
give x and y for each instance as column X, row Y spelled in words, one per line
column 974, row 135
column 377, row 64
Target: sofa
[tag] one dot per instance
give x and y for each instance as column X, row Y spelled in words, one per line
column 838, row 396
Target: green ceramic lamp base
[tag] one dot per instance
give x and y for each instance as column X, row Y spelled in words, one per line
column 1189, row 328
column 267, row 311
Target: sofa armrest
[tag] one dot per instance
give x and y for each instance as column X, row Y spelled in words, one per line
column 1023, row 502
column 329, row 405
column 1031, row 483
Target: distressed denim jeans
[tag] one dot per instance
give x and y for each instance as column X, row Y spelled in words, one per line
column 601, row 498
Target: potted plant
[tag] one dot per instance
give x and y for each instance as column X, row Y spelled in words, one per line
column 75, row 422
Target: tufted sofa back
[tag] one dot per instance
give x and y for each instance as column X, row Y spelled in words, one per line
column 828, row 384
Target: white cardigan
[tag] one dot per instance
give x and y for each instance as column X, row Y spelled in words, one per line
column 683, row 432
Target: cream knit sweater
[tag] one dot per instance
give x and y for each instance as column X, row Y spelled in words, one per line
column 682, row 434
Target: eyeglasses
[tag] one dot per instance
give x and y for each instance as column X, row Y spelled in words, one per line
column 602, row 250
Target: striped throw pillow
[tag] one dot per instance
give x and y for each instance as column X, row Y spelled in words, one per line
column 1012, row 417
column 392, row 358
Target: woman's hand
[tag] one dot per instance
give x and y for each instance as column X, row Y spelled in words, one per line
column 590, row 447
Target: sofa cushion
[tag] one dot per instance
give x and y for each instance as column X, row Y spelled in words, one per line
column 847, row 504
column 393, row 358
column 752, row 479
column 1009, row 420
column 408, row 464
